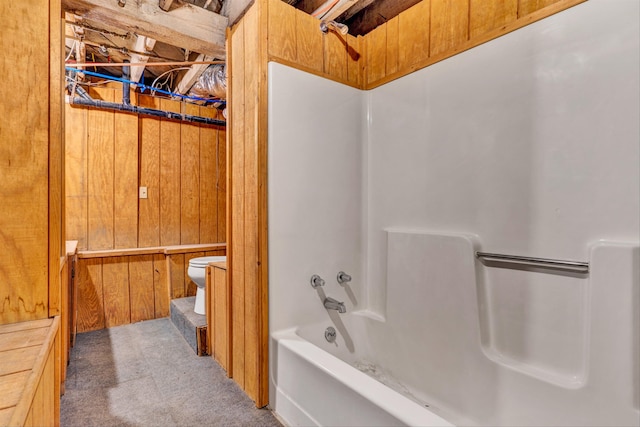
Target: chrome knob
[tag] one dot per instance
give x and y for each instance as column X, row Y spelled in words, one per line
column 343, row 277
column 316, row 281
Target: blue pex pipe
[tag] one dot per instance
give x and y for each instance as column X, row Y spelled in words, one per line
column 143, row 86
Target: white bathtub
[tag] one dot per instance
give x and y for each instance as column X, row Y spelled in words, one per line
column 430, row 347
column 312, row 387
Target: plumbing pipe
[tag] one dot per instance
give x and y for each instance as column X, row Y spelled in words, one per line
column 145, row 111
column 146, row 64
column 126, row 95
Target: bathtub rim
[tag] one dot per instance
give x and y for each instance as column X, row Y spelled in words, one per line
column 394, row 403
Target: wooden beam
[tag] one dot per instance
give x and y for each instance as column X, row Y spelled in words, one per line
column 340, row 8
column 357, row 7
column 192, row 76
column 142, row 44
column 309, row 6
column 188, row 27
column 376, row 14
column 165, row 4
column 235, row 9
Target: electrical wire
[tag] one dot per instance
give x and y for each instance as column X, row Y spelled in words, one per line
column 71, row 49
column 167, row 72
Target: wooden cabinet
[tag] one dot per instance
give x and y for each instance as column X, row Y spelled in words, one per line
column 218, row 309
column 29, row 374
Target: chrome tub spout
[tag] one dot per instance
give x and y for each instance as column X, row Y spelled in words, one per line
column 332, row 304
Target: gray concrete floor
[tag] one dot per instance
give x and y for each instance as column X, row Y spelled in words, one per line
column 145, row 374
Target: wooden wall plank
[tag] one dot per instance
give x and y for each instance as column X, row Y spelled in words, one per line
column 221, row 184
column 376, row 53
column 335, row 55
column 355, row 59
column 24, row 155
column 308, row 40
column 209, row 175
column 449, row 24
column 149, row 208
column 282, row 31
column 391, row 65
column 115, row 282
column 160, row 286
column 486, row 15
column 251, row 183
column 175, row 274
column 170, row 177
column 236, row 178
column 76, row 175
column 525, row 7
column 89, row 297
column 141, row 288
column 262, row 281
column 100, row 183
column 413, row 35
column 220, row 318
column 190, row 178
column 189, row 286
column 57, row 247
column 125, row 178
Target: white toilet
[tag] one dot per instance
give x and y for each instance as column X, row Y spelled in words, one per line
column 196, row 272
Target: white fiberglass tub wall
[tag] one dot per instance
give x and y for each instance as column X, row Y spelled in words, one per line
column 527, row 145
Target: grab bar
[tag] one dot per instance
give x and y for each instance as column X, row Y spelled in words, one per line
column 580, row 267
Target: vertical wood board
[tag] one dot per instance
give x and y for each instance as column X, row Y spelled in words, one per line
column 170, row 177
column 141, row 288
column 90, row 301
column 413, row 34
column 449, row 24
column 115, row 282
column 190, row 179
column 149, row 208
column 100, row 151
column 125, row 180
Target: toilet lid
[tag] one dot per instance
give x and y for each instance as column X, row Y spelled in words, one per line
column 205, row 260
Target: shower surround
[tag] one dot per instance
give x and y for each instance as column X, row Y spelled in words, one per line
column 527, row 145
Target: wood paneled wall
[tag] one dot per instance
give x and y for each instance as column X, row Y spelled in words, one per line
column 434, row 30
column 30, row 159
column 110, row 154
column 295, row 39
column 118, row 290
column 246, row 263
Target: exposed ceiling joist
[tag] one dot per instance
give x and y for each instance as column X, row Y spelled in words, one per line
column 165, row 4
column 337, row 9
column 192, row 76
column 142, row 44
column 234, row 9
column 188, row 26
column 357, row 7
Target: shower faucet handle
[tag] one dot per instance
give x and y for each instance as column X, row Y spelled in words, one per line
column 343, row 277
column 316, row 281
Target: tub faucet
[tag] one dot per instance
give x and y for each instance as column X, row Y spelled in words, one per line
column 316, row 281
column 343, row 277
column 332, row 304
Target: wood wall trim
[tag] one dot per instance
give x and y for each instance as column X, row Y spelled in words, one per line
column 456, row 48
column 166, row 250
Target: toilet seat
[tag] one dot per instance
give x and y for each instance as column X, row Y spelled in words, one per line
column 202, row 262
